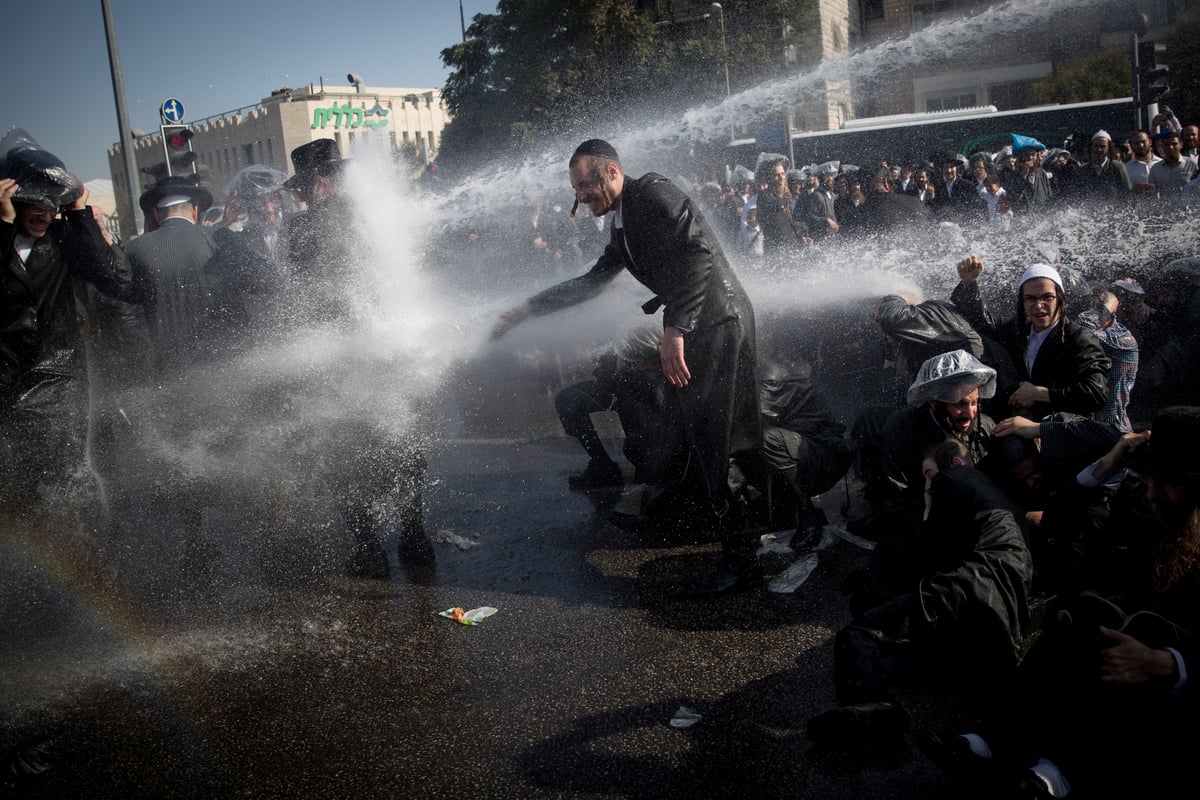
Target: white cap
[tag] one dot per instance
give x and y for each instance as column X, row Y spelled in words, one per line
column 1101, row 134
column 1041, row 271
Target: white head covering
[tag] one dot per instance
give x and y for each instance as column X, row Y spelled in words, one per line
column 1101, row 134
column 1042, row 271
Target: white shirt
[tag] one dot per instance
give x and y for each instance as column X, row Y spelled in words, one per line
column 1139, row 171
column 1035, row 344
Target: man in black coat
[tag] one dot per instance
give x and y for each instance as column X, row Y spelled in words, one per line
column 1060, row 365
column 365, row 461
column 50, row 246
column 168, row 270
column 1105, row 700
column 955, row 601
column 708, row 347
column 168, row 264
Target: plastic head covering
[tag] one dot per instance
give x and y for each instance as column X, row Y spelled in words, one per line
column 828, row 168
column 766, row 164
column 848, row 168
column 795, row 175
column 640, row 344
column 1053, row 153
column 949, row 377
column 43, row 178
column 1129, row 285
column 1020, row 143
column 257, row 180
column 742, row 174
column 1041, row 271
column 1101, row 134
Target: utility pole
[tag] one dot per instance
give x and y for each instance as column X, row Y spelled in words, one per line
column 127, row 156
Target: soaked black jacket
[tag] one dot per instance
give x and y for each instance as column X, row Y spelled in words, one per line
column 41, row 325
column 1071, row 363
column 669, row 247
column 975, row 556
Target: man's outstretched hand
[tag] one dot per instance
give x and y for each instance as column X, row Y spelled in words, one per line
column 509, row 320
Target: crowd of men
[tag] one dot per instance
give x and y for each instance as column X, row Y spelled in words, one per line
column 1047, row 447
column 1012, row 480
column 121, row 397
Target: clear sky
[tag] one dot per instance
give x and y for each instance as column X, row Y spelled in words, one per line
column 214, row 55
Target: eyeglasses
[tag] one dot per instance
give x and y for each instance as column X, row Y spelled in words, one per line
column 1034, row 299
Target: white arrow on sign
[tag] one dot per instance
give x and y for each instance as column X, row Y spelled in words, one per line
column 172, row 111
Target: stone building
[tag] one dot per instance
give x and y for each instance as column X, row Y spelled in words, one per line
column 410, row 120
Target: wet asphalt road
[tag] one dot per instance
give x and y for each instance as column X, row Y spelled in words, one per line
column 294, row 682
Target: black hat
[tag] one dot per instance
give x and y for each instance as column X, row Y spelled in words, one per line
column 1173, row 446
column 319, row 157
column 43, row 178
column 595, row 147
column 181, row 188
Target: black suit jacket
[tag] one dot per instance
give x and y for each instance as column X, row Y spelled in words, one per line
column 168, row 274
column 666, row 244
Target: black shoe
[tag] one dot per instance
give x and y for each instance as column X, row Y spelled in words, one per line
column 865, row 723
column 598, row 475
column 415, row 549
column 725, row 580
column 809, row 531
column 369, row 560
column 956, row 758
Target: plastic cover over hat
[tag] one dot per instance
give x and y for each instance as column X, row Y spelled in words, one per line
column 1020, row 143
column 43, row 178
column 772, row 158
column 256, row 180
column 949, row 377
column 742, row 174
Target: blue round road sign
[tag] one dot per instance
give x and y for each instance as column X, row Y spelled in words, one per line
column 171, row 111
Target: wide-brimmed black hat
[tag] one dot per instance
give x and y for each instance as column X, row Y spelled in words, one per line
column 176, row 186
column 319, row 157
column 1174, row 447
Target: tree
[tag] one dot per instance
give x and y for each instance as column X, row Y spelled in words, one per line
column 538, row 69
column 1098, row 76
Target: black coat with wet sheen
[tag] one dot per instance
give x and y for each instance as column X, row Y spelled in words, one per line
column 40, row 329
column 1071, row 363
column 676, row 255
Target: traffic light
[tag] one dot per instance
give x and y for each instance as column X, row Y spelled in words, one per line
column 177, row 149
column 1151, row 84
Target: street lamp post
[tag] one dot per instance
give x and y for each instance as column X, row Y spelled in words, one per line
column 725, row 57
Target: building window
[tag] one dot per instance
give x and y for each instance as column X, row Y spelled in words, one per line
column 1007, row 96
column 925, row 14
column 954, row 98
column 392, row 139
column 249, row 154
column 871, row 9
column 431, row 145
column 270, row 152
